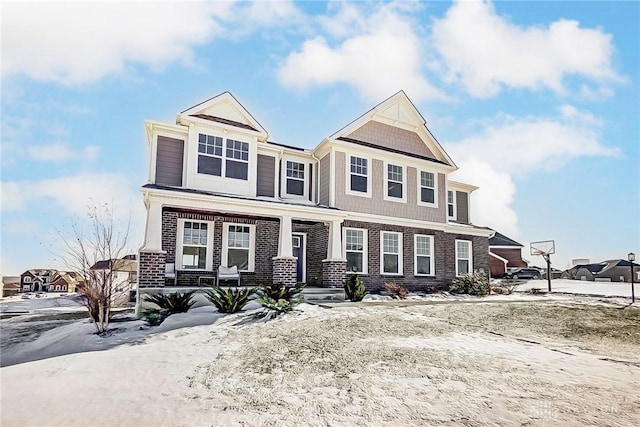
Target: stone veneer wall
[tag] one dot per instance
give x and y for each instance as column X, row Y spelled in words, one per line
column 151, row 266
column 284, row 270
column 333, row 273
column 444, row 248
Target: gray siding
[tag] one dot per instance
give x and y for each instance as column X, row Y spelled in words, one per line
column 392, row 137
column 266, row 175
column 462, row 203
column 169, row 161
column 325, row 179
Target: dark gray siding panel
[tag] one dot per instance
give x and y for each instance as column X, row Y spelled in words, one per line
column 462, row 202
column 266, row 175
column 169, row 161
column 325, row 171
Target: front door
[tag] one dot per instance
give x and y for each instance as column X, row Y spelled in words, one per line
column 299, row 244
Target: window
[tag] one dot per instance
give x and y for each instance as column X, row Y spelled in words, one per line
column 195, row 239
column 358, row 175
column 424, row 257
column 395, row 182
column 27, row 279
column 295, row 178
column 464, row 260
column 391, row 252
column 355, row 249
column 427, row 186
column 451, row 204
column 237, row 163
column 211, row 156
column 238, row 246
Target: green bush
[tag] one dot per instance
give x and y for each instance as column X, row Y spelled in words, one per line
column 354, row 287
column 278, row 299
column 176, row 302
column 470, row 283
column 154, row 316
column 230, row 300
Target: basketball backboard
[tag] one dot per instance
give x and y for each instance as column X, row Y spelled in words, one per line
column 545, row 247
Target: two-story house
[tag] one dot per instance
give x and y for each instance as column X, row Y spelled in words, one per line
column 373, row 197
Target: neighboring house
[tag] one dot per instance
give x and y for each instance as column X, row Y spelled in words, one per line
column 10, row 285
column 505, row 255
column 123, row 276
column 374, row 197
column 65, row 282
column 615, row 270
column 37, row 279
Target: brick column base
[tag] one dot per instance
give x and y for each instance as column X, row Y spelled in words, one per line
column 284, row 270
column 334, row 272
column 151, row 269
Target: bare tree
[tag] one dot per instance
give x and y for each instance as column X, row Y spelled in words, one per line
column 102, row 241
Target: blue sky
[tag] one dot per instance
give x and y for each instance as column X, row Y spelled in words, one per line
column 537, row 102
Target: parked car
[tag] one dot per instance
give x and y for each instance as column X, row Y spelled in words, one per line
column 40, row 294
column 27, row 295
column 524, row 273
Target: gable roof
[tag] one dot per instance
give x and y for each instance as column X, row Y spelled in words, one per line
column 395, row 114
column 500, row 239
column 223, row 109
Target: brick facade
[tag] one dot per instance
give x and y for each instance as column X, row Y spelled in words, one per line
column 284, row 270
column 333, row 273
column 151, row 269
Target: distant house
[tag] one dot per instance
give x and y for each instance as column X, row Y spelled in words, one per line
column 505, row 255
column 65, row 282
column 124, row 276
column 615, row 270
column 37, row 279
column 10, row 285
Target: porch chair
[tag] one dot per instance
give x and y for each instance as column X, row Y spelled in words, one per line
column 170, row 272
column 228, row 273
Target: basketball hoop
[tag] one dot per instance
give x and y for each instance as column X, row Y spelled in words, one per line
column 544, row 248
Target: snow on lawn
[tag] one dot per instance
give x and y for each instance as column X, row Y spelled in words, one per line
column 353, row 364
column 608, row 289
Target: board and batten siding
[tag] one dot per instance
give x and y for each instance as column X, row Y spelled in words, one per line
column 266, row 176
column 169, row 161
column 325, row 180
column 462, row 207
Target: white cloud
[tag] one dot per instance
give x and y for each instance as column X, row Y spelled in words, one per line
column 381, row 54
column 57, row 153
column 486, row 52
column 80, row 42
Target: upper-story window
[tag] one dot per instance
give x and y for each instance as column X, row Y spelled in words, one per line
column 451, row 205
column 27, row 279
column 395, row 182
column 295, row 178
column 359, row 183
column 231, row 163
column 428, row 188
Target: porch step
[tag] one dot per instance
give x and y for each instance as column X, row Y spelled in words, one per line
column 323, row 294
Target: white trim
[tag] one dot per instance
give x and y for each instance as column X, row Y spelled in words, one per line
column 419, row 188
column 180, row 244
column 499, row 257
column 505, row 247
column 453, row 217
column 470, row 259
column 369, row 175
column 399, row 253
column 365, row 247
column 431, row 255
column 304, row 253
column 385, row 176
column 224, row 256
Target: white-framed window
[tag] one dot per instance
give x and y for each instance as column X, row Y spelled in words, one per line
column 451, row 204
column 424, row 258
column 295, row 179
column 194, row 249
column 27, row 279
column 390, row 253
column 358, row 182
column 427, row 188
column 355, row 249
column 231, row 162
column 464, row 257
column 394, row 184
column 238, row 246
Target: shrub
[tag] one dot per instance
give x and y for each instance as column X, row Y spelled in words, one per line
column 229, row 300
column 278, row 299
column 470, row 283
column 154, row 316
column 396, row 291
column 354, row 287
column 176, row 302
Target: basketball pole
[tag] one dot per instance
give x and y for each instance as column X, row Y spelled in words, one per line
column 547, row 257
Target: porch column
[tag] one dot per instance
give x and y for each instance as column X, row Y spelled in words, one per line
column 334, row 268
column 284, row 265
column 152, row 259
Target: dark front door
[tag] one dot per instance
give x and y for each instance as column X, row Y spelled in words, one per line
column 298, row 242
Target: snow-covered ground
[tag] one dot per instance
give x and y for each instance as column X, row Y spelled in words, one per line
column 609, row 289
column 371, row 364
column 47, row 303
